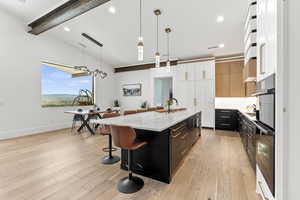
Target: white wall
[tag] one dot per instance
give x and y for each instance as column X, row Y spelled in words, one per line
column 134, row 77
column 20, row 80
column 293, row 100
column 146, row 78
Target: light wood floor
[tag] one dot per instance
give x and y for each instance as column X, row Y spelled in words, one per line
column 61, row 166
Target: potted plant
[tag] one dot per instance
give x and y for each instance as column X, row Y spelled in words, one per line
column 117, row 106
column 116, row 103
column 144, row 105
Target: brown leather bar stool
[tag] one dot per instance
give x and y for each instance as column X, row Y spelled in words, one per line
column 105, row 130
column 124, row 137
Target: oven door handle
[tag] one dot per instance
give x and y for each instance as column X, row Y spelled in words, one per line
column 264, row 130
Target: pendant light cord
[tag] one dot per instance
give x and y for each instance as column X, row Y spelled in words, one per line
column 168, row 40
column 140, row 18
column 157, row 34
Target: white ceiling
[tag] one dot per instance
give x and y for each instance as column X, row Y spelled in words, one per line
column 193, row 22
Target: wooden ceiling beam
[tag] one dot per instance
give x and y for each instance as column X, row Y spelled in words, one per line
column 142, row 67
column 63, row 13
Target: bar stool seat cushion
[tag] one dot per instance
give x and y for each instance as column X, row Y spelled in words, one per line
column 137, row 145
column 105, row 130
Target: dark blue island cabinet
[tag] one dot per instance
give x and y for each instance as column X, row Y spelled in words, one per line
column 165, row 150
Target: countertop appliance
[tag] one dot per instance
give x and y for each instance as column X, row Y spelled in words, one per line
column 265, row 139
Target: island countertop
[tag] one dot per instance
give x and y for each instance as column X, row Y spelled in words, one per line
column 151, row 121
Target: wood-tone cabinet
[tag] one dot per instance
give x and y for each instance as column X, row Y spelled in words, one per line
column 234, row 79
column 249, row 71
column 229, row 79
column 250, row 88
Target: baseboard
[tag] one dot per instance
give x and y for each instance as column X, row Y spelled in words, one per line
column 205, row 127
column 8, row 134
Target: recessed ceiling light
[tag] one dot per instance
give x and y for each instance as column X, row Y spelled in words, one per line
column 112, row 9
column 67, row 29
column 220, row 19
column 221, row 45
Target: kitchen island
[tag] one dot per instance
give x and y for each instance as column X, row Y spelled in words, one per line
column 169, row 138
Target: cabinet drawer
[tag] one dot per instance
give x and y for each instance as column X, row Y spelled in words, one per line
column 225, row 126
column 225, row 114
column 225, row 118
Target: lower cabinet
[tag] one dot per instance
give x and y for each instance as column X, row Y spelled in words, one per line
column 226, row 119
column 248, row 133
column 183, row 137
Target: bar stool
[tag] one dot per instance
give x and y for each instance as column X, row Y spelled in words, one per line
column 105, row 130
column 124, row 137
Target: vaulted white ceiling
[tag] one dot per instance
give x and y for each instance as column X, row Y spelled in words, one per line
column 193, row 23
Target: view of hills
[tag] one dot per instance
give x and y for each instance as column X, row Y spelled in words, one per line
column 54, row 100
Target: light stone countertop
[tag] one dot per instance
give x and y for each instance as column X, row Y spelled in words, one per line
column 151, row 121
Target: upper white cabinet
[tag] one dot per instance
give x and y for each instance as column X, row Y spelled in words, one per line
column 204, row 70
column 196, row 71
column 266, row 38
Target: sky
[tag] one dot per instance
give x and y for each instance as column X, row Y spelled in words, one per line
column 58, row 82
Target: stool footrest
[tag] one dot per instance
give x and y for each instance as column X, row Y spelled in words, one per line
column 107, row 149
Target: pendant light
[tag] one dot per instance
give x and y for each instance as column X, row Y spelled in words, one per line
column 157, row 54
column 141, row 40
column 168, row 31
column 95, row 73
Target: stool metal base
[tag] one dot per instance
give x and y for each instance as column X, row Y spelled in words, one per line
column 130, row 185
column 109, row 160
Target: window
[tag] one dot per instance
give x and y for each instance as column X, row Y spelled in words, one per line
column 62, row 87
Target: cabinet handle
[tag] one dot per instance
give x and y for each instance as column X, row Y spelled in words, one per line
column 225, row 124
column 178, row 134
column 186, row 76
column 195, row 102
column 203, row 74
column 225, row 111
column 178, row 128
column 263, row 192
column 225, row 117
column 261, row 58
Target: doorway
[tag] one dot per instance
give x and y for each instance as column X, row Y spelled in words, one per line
column 162, row 88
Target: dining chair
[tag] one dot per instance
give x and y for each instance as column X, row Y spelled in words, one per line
column 142, row 110
column 76, row 118
column 130, row 112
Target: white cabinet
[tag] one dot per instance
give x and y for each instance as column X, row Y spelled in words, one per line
column 195, row 88
column 205, row 101
column 266, row 38
column 184, row 93
column 185, row 72
column 204, row 70
column 196, row 71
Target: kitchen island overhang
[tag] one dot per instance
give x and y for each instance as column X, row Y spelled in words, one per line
column 169, row 137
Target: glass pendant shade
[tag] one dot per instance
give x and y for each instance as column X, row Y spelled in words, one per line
column 141, row 49
column 168, row 66
column 157, row 59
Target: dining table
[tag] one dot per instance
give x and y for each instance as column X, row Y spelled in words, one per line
column 86, row 116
